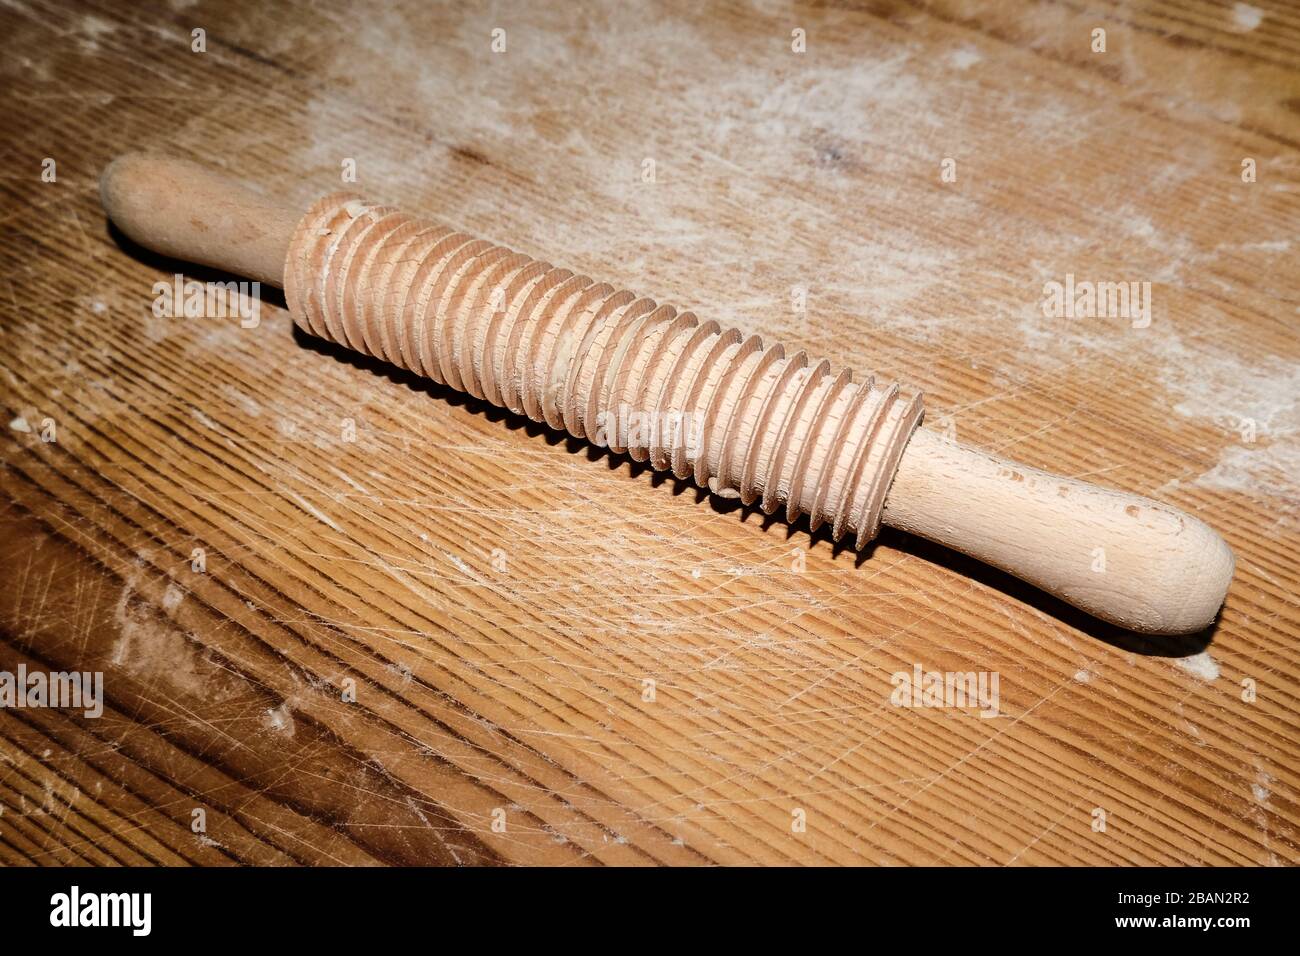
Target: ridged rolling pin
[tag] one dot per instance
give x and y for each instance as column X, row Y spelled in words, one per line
column 769, row 425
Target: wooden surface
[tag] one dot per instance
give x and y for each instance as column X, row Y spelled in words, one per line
column 499, row 595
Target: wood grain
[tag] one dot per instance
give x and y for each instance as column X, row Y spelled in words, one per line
column 500, row 596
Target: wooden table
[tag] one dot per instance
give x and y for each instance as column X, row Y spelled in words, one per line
column 459, row 638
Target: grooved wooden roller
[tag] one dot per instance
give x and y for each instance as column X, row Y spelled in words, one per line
column 607, row 365
column 744, row 419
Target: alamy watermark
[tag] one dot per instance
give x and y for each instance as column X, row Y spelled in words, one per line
column 625, row 427
column 190, row 299
column 75, row 908
column 65, row 690
column 1098, row 300
column 959, row 690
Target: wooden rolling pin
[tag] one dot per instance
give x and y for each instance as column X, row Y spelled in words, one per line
column 586, row 357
